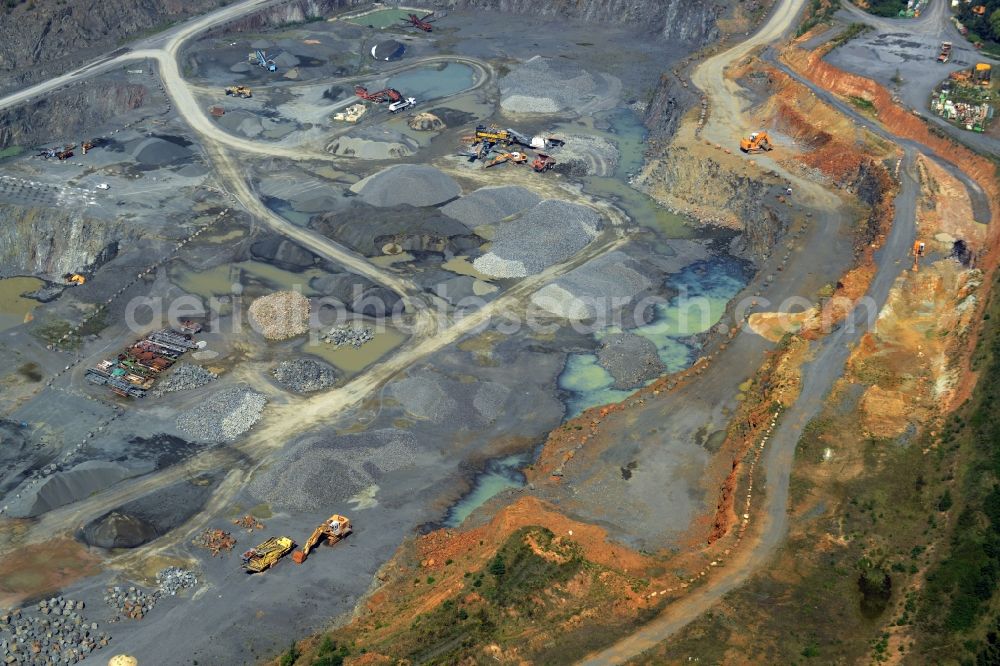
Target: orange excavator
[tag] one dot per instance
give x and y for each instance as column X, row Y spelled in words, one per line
column 514, row 158
column 758, row 142
column 919, row 249
column 337, row 527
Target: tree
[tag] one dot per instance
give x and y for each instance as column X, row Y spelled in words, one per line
column 497, row 566
column 995, row 24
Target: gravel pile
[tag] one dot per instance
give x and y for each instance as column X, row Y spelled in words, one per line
column 585, row 155
column 370, row 149
column 631, row 359
column 550, row 233
column 490, row 399
column 423, row 397
column 489, row 205
column 223, row 416
column 347, row 334
column 184, row 376
column 301, row 480
column 281, row 315
column 541, row 85
column 304, row 375
column 57, row 634
column 410, row 184
column 426, row 122
column 174, row 579
column 593, row 288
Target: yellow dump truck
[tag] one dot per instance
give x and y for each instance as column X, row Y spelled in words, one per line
column 267, row 554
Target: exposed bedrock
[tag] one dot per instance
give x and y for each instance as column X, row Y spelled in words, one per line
column 679, row 20
column 54, row 241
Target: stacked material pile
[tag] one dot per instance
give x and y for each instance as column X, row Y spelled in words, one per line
column 281, row 315
column 304, row 375
column 223, row 416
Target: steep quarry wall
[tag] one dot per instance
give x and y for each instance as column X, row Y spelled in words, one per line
column 62, row 117
column 54, row 241
column 296, row 11
column 679, row 20
column 42, row 38
column 670, row 101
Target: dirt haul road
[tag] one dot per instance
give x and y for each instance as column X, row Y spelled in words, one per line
column 818, row 376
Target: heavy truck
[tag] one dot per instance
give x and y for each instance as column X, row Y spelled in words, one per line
column 267, row 554
column 333, row 530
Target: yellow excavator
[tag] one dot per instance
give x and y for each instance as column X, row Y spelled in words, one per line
column 337, row 527
column 74, row 278
column 757, row 142
column 267, row 554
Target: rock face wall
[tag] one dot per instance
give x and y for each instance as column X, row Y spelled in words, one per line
column 296, row 11
column 678, row 20
column 45, row 37
column 54, row 241
column 62, row 117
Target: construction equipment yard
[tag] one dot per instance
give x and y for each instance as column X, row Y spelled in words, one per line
column 264, row 292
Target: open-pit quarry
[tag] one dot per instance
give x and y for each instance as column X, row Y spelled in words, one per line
column 495, row 283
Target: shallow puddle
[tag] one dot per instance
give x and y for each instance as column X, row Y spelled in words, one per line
column 426, row 83
column 349, row 360
column 14, row 309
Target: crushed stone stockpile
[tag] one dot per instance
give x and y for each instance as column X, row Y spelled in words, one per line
column 54, row 631
column 304, row 375
column 585, row 155
column 423, row 397
column 281, row 315
column 490, row 399
column 550, row 233
column 631, row 359
column 541, row 85
column 372, row 149
column 182, row 377
column 301, row 480
column 65, row 487
column 589, row 290
column 489, row 205
column 411, row 184
column 224, row 416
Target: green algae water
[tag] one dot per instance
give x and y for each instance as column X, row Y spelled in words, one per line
column 705, row 288
column 499, row 475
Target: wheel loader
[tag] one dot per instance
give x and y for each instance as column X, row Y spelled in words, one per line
column 267, row 554
column 757, row 142
column 239, row 91
column 337, row 527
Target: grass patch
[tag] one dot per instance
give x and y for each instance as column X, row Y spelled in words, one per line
column 888, row 8
column 862, row 103
column 820, row 11
column 11, row 151
column 850, row 33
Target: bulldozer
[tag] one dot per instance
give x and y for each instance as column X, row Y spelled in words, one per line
column 267, row 554
column 513, row 158
column 334, row 529
column 757, row 142
column 239, row 91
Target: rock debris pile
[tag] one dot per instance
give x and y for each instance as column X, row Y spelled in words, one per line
column 224, row 416
column 57, row 634
column 346, row 334
column 281, row 315
column 407, row 184
column 133, row 603
column 304, row 375
column 300, row 479
column 489, row 205
column 541, row 85
column 215, row 540
column 184, row 376
column 548, row 234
